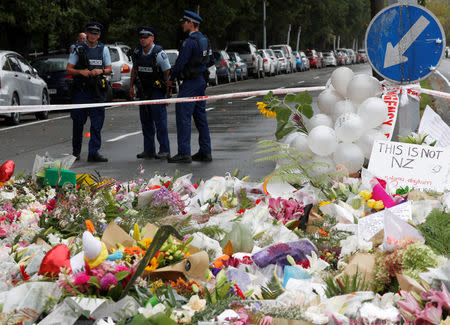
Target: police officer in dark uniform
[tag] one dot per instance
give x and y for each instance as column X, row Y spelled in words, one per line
column 88, row 65
column 151, row 66
column 191, row 67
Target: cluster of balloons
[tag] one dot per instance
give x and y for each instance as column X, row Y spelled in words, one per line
column 351, row 112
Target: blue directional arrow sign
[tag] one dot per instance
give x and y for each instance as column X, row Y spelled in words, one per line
column 404, row 43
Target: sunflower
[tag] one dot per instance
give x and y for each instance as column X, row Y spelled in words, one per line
column 153, row 265
column 264, row 111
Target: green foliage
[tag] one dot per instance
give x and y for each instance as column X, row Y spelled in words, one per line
column 160, row 238
column 297, row 168
column 273, row 288
column 417, row 139
column 417, row 258
column 436, row 231
column 212, row 310
column 348, row 284
column 283, row 108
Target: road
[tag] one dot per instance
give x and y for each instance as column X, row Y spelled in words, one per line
column 235, row 125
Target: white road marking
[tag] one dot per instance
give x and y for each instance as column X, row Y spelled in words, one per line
column 124, row 136
column 317, row 77
column 300, row 82
column 282, row 87
column 210, row 109
column 247, row 98
column 35, row 122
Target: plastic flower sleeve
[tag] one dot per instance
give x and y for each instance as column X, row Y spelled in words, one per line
column 396, row 231
column 276, row 254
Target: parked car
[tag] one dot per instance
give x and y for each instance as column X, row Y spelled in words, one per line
column 298, row 61
column 352, row 55
column 314, row 59
column 172, row 55
column 52, row 69
column 20, row 84
column 121, row 65
column 329, row 59
column 241, row 66
column 305, row 60
column 226, row 70
column 249, row 53
column 322, row 64
column 345, row 58
column 290, row 57
column 269, row 66
column 274, row 60
column 362, row 56
column 282, row 60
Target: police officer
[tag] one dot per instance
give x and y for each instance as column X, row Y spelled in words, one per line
column 191, row 67
column 80, row 39
column 88, row 65
column 152, row 67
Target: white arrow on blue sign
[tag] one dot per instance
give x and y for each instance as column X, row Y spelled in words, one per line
column 404, row 43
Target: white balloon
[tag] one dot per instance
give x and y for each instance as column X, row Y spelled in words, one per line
column 349, row 127
column 288, row 139
column 373, row 111
column 326, row 165
column 344, row 106
column 322, row 140
column 327, row 99
column 319, row 119
column 91, row 245
column 350, row 156
column 365, row 142
column 340, row 79
column 300, row 142
column 363, row 86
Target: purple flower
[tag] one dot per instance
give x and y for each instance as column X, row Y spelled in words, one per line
column 163, row 198
column 107, row 281
column 276, row 254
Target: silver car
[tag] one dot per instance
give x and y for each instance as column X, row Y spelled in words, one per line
column 249, row 54
column 20, row 85
column 283, row 62
column 121, row 65
column 274, row 60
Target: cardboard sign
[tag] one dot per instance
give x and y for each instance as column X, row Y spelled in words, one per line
column 416, row 166
column 433, row 125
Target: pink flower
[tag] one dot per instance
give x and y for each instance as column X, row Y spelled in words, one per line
column 442, row 298
column 430, row 314
column 81, row 278
column 107, row 281
column 410, row 305
column 120, row 268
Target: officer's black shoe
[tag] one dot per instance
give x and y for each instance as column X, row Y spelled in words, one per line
column 146, row 155
column 162, row 155
column 98, row 158
column 200, row 156
column 77, row 156
column 180, row 159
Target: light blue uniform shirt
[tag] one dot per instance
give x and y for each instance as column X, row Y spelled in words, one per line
column 73, row 57
column 161, row 59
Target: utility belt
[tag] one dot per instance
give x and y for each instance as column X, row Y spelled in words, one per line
column 94, row 84
column 146, row 88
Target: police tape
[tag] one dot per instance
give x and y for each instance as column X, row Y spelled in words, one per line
column 278, row 91
column 57, row 107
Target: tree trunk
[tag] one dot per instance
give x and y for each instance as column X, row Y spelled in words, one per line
column 45, row 42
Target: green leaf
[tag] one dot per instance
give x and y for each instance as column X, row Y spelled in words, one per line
column 115, row 292
column 284, row 129
column 283, row 113
column 307, row 111
column 292, row 98
column 268, row 96
column 94, row 281
column 121, row 275
column 303, row 98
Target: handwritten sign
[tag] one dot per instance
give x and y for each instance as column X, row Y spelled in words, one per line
column 391, row 98
column 369, row 226
column 403, row 164
column 433, row 125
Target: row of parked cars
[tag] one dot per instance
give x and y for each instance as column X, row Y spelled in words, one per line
column 45, row 79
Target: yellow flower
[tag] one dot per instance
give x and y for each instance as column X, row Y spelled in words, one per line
column 379, row 205
column 322, row 203
column 371, row 203
column 136, row 232
column 264, row 111
column 366, row 195
column 153, row 265
column 146, row 242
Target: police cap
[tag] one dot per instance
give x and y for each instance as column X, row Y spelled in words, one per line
column 146, row 31
column 191, row 16
column 94, row 27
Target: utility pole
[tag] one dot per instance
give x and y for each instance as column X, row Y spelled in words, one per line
column 298, row 37
column 289, row 34
column 264, row 25
column 339, row 42
column 334, row 43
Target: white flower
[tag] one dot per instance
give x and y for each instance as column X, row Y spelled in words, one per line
column 317, row 264
column 27, row 216
column 107, row 321
column 352, row 244
column 7, row 196
column 182, row 316
column 195, row 304
column 149, row 310
column 54, row 239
